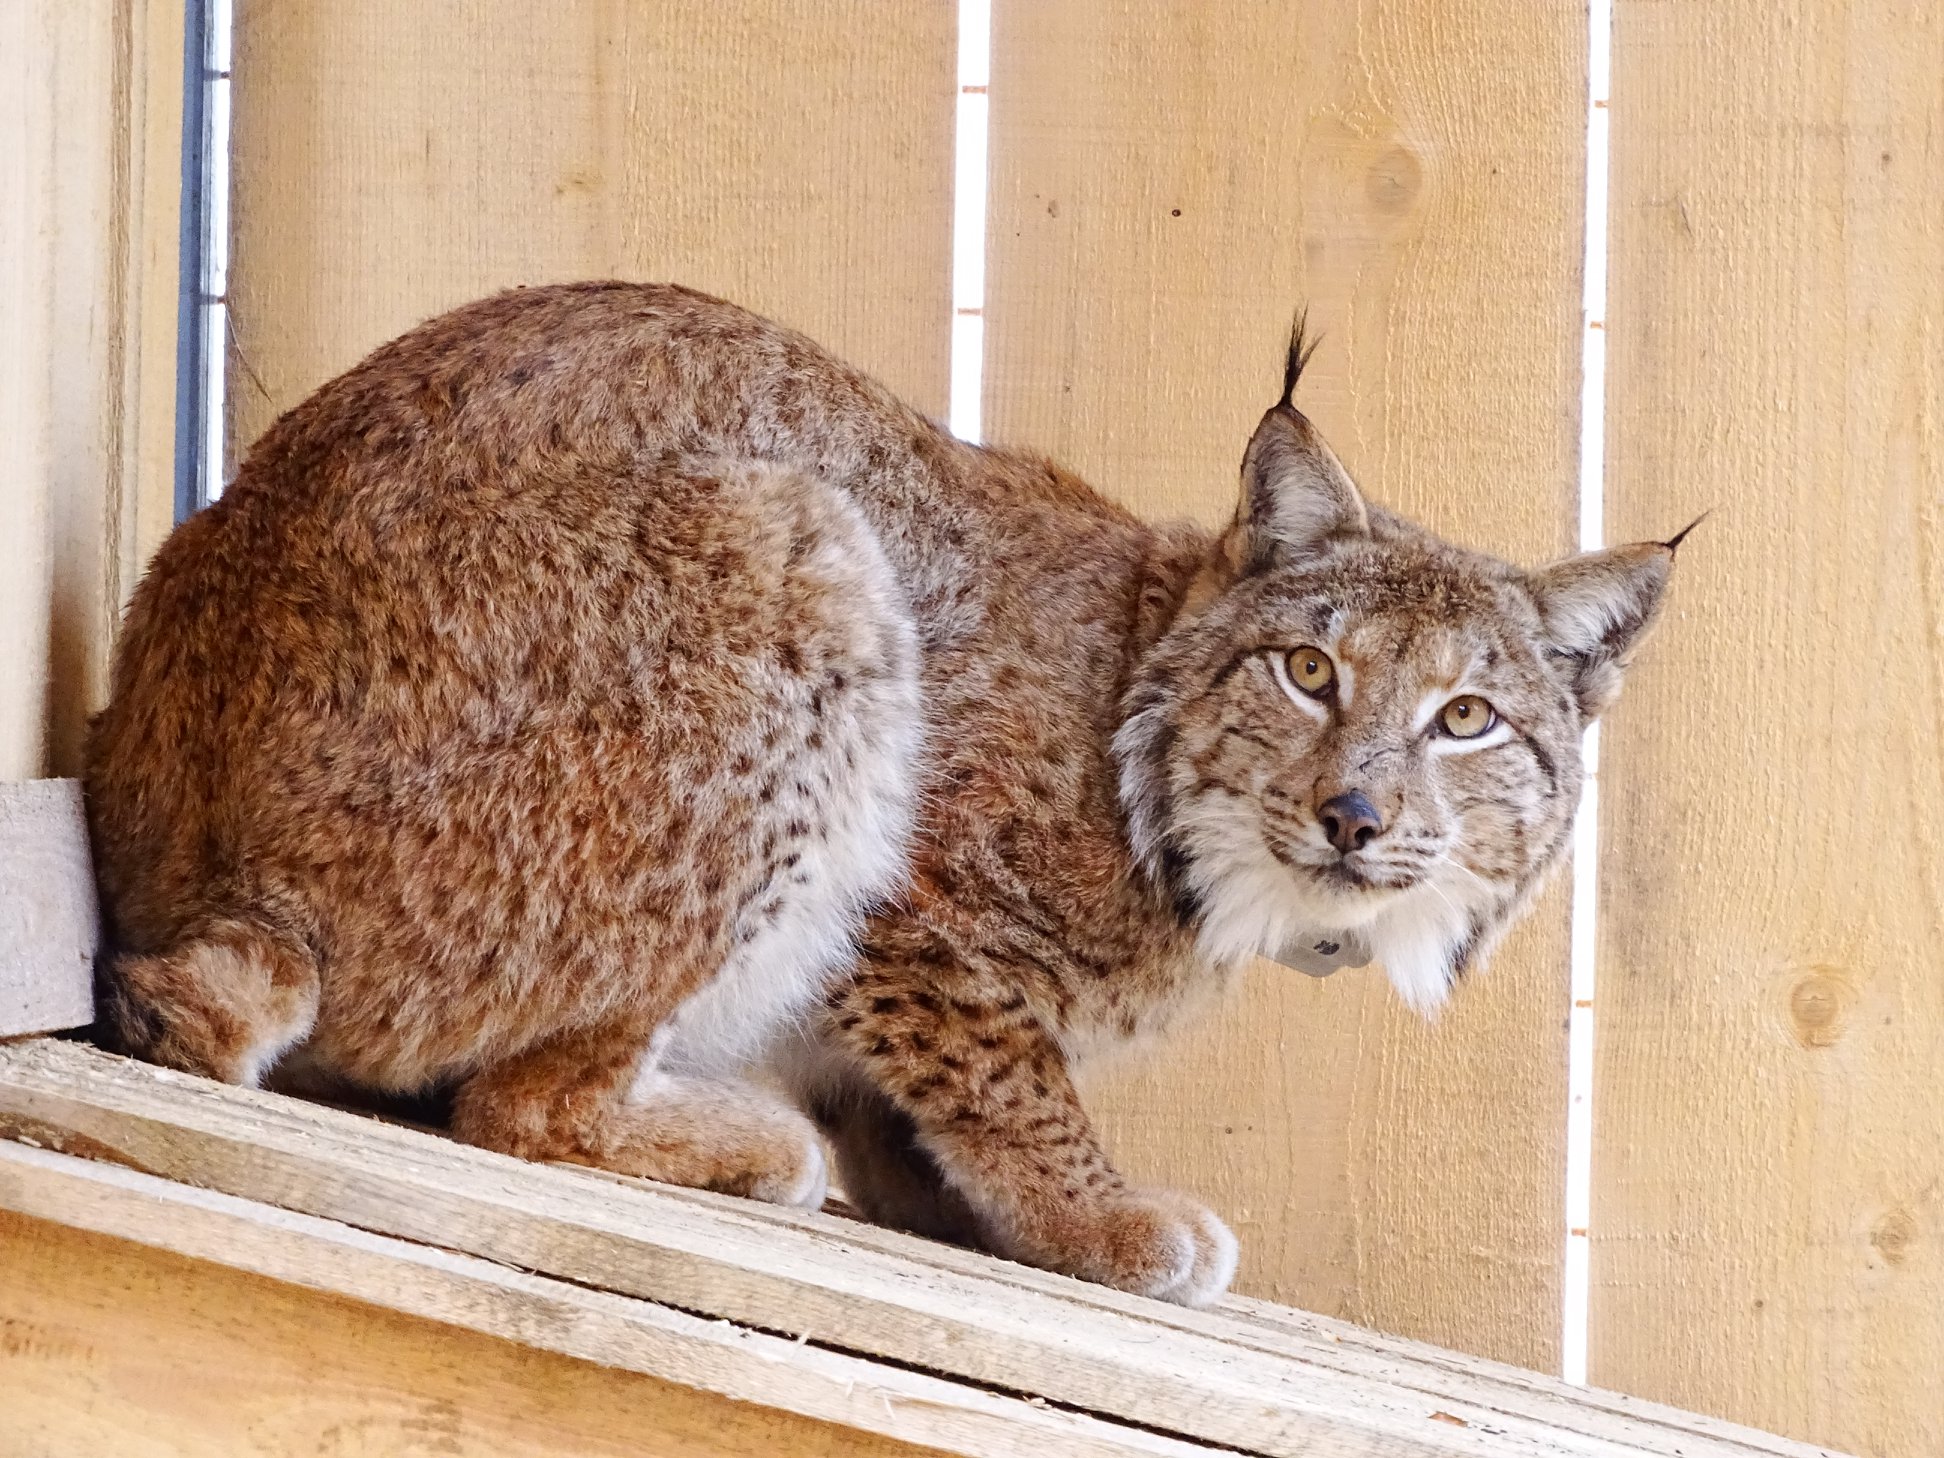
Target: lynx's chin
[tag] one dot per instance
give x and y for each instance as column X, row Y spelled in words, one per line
column 1254, row 902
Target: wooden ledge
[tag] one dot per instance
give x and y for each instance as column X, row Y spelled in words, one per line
column 806, row 1314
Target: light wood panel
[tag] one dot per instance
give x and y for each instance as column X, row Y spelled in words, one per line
column 786, row 1396
column 1769, row 1201
column 49, row 927
column 90, row 104
column 112, row 1347
column 1169, row 181
column 631, row 1274
column 394, row 160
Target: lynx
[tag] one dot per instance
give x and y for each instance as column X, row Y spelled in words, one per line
column 606, row 706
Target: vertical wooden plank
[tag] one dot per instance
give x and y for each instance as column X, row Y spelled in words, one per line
column 1168, row 182
column 148, row 243
column 394, row 160
column 90, row 101
column 1769, row 1161
column 29, row 204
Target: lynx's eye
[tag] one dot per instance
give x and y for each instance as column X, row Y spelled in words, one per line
column 1311, row 671
column 1467, row 717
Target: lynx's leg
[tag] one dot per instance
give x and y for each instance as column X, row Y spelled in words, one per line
column 583, row 1098
column 987, row 1090
column 884, row 1171
column 225, row 1001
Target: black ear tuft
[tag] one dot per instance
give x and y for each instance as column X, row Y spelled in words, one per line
column 1673, row 543
column 1295, row 492
column 1301, row 347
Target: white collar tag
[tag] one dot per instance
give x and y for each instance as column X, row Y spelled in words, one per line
column 1320, row 953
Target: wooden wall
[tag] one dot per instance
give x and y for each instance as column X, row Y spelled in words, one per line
column 90, row 107
column 1167, row 180
column 180, row 1358
column 391, row 161
column 1769, row 1158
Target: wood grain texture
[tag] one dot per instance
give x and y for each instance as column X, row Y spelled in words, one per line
column 1168, row 182
column 1769, row 1158
column 147, row 234
column 1249, row 1378
column 393, row 161
column 112, row 1347
column 90, row 102
column 725, row 1388
column 49, row 925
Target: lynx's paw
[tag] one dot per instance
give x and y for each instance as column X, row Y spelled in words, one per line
column 724, row 1136
column 707, row 1134
column 782, row 1164
column 1150, row 1242
column 225, row 1003
column 796, row 1172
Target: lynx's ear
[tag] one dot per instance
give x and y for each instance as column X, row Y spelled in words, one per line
column 1596, row 608
column 1295, row 493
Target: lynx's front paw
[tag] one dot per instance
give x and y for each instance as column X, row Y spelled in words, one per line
column 1150, row 1242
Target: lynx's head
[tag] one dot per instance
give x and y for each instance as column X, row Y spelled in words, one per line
column 1355, row 733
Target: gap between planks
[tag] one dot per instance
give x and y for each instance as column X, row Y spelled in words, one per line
column 1246, row 1376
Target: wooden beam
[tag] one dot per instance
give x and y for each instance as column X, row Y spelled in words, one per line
column 789, row 1377
column 1244, row 1377
column 110, row 1347
column 48, row 922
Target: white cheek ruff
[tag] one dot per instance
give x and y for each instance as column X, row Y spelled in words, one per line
column 1415, row 943
column 1253, row 906
column 1280, row 670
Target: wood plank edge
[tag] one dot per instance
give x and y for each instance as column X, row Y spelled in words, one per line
column 49, row 924
column 537, row 1311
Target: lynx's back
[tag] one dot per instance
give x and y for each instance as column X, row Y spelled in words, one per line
column 439, row 736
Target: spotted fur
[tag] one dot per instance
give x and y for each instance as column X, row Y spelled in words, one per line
column 601, row 691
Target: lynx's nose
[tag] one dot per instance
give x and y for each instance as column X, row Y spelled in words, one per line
column 1350, row 821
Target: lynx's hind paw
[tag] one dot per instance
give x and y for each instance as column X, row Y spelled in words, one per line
column 796, row 1174
column 723, row 1135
